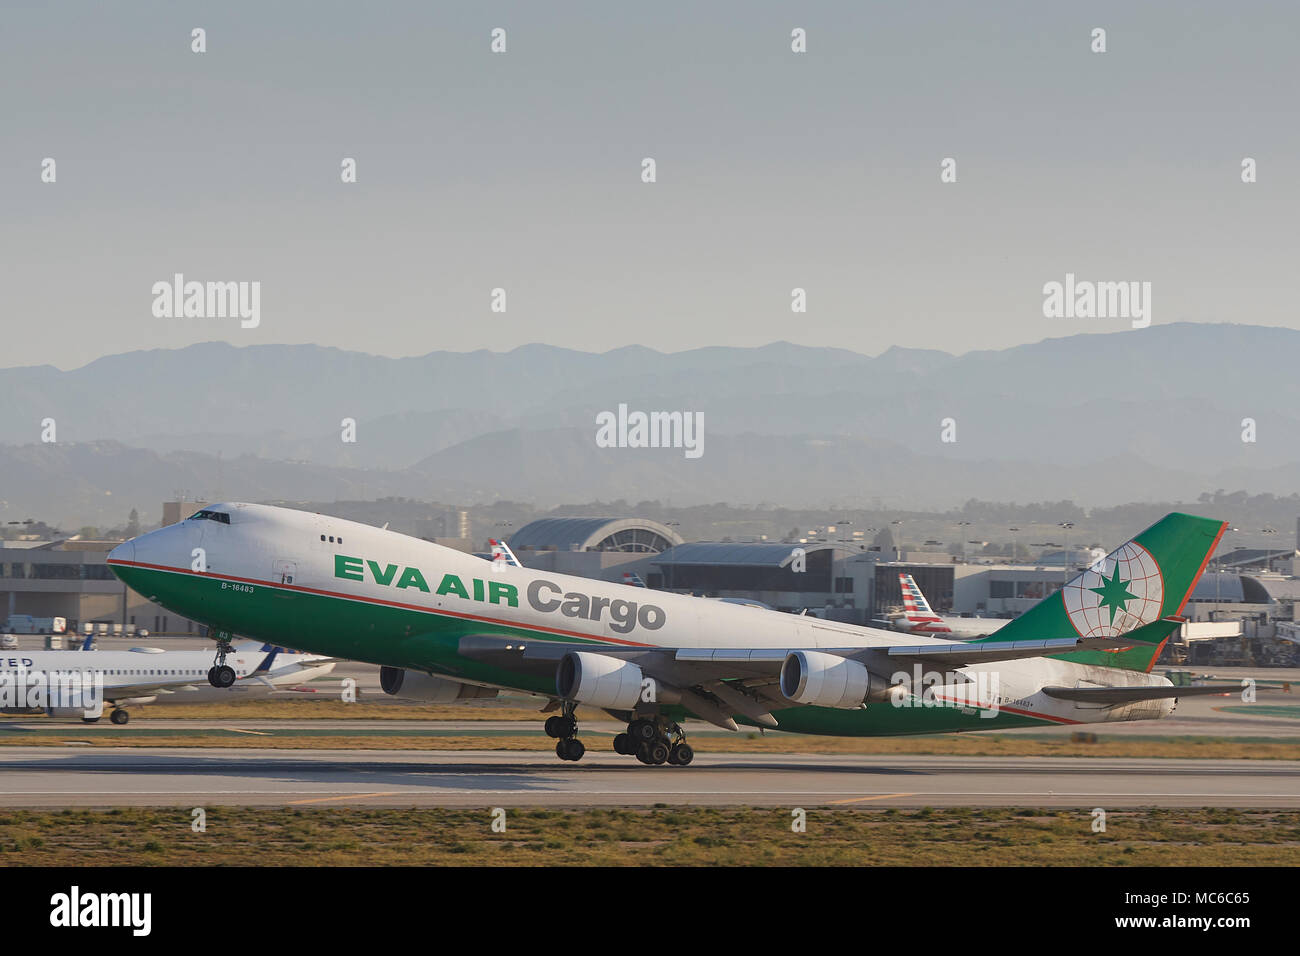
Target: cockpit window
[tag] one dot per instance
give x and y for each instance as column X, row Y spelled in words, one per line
column 206, row 515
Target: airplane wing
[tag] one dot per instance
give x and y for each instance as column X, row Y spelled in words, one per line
column 1125, row 695
column 716, row 684
column 987, row 650
column 962, row 653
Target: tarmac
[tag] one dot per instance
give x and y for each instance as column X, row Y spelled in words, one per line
column 117, row 777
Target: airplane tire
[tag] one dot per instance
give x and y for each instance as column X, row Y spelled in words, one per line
column 642, row 731
column 119, row 717
column 570, row 748
column 223, row 676
column 623, row 745
column 552, row 726
column 681, row 755
column 658, row 752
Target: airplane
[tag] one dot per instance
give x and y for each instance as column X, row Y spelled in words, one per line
column 501, row 553
column 444, row 627
column 918, row 618
column 146, row 675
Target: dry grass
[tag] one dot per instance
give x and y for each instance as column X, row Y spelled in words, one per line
column 693, row 836
column 972, row 746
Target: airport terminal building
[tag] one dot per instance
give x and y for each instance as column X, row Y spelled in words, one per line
column 71, row 579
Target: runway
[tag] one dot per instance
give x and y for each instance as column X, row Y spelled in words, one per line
column 57, row 777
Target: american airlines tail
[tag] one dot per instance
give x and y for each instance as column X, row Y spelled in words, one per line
column 920, row 618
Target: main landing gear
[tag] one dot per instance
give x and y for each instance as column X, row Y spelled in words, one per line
column 221, row 674
column 564, row 727
column 648, row 739
column 653, row 740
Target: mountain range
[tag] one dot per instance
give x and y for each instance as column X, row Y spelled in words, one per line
column 1101, row 419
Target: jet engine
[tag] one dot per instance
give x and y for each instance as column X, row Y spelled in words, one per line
column 598, row 680
column 417, row 685
column 824, row 680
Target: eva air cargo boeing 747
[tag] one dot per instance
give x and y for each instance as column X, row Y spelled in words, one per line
column 447, row 626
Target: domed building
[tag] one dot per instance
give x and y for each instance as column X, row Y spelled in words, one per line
column 604, row 548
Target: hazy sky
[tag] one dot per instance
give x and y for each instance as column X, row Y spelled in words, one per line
column 522, row 170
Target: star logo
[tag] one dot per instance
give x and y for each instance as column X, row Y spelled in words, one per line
column 1122, row 591
column 1114, row 594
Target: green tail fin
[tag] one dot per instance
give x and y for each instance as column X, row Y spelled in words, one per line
column 1134, row 587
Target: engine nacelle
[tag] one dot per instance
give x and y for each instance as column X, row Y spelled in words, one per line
column 824, row 680
column 417, row 685
column 598, row 680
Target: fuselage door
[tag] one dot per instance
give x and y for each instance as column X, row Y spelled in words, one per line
column 284, row 571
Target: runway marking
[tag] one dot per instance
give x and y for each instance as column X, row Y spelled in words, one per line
column 347, row 796
column 238, row 730
column 878, row 796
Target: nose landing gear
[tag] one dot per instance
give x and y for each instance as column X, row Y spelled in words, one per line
column 221, row 674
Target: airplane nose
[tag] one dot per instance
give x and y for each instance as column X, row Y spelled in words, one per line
column 124, row 552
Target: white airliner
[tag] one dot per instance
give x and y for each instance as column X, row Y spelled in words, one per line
column 147, row 675
column 918, row 618
column 445, row 625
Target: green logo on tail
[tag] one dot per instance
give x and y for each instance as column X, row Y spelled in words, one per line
column 1114, row 594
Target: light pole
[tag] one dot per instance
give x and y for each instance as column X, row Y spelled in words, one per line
column 1066, row 526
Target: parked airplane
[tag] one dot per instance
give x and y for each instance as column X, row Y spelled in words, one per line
column 918, row 618
column 447, row 625
column 501, row 553
column 146, row 675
